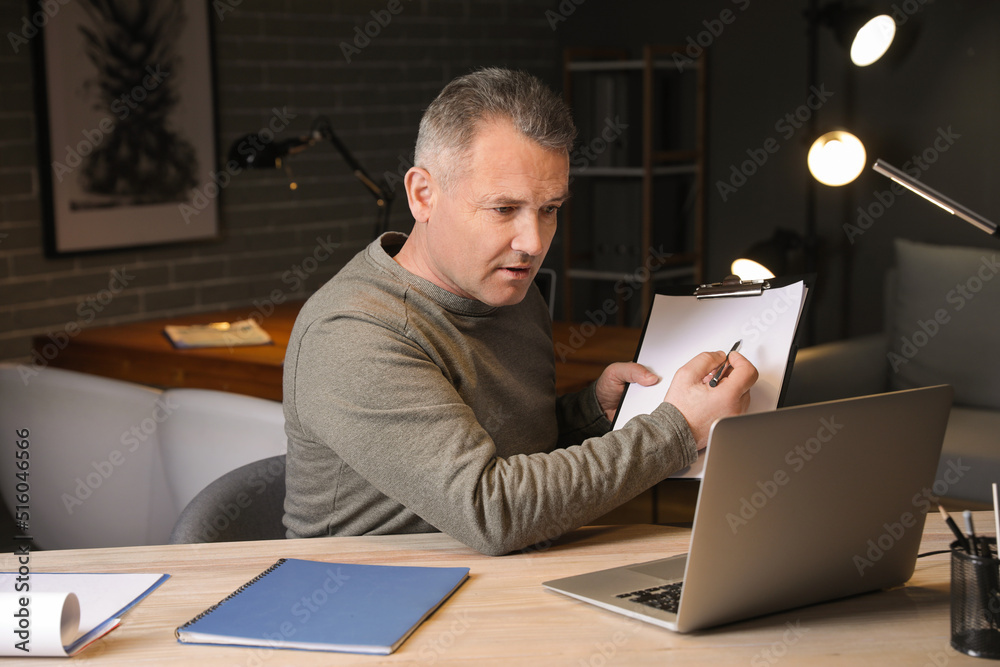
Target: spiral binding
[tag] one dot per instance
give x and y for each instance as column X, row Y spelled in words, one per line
column 231, row 595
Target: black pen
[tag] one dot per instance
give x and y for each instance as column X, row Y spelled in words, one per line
column 973, row 545
column 962, row 542
column 718, row 374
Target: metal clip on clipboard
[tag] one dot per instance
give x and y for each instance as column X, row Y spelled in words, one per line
column 732, row 286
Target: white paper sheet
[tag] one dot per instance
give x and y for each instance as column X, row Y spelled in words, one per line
column 681, row 327
column 66, row 611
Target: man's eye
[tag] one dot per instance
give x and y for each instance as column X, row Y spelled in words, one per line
column 551, row 210
column 504, row 210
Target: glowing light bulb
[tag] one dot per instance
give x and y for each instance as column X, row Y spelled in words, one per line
column 873, row 40
column 836, row 158
column 747, row 269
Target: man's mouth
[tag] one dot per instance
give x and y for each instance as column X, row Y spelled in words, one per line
column 517, row 270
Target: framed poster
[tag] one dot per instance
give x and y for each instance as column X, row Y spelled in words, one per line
column 126, row 124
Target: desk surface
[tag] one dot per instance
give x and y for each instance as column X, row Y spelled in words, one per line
column 502, row 615
column 139, row 352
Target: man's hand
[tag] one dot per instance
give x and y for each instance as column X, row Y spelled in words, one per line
column 701, row 404
column 612, row 383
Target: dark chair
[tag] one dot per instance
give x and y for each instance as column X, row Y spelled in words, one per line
column 244, row 504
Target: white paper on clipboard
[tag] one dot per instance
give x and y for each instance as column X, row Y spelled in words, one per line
column 680, row 327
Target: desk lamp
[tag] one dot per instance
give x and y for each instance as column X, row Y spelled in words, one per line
column 768, row 258
column 254, row 152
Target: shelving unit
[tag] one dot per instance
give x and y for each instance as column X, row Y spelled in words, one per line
column 638, row 179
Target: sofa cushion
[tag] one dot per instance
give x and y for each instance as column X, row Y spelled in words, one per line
column 970, row 456
column 943, row 321
column 839, row 369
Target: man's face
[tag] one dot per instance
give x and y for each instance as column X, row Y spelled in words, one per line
column 489, row 231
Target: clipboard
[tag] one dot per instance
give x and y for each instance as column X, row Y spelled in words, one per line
column 685, row 320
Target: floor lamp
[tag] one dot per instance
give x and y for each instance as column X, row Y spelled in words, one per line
column 837, row 157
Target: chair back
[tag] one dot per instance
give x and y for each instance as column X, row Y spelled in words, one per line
column 212, row 432
column 243, row 504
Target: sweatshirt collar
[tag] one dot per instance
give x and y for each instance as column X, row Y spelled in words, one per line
column 384, row 248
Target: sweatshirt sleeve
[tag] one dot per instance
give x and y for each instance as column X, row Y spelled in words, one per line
column 387, row 410
column 580, row 416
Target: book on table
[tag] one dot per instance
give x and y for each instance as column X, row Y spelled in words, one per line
column 312, row 605
column 241, row 333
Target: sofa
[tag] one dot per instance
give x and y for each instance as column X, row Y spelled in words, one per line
column 942, row 313
column 90, row 461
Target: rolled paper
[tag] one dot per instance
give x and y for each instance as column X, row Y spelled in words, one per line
column 39, row 624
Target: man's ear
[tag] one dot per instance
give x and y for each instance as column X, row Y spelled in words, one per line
column 420, row 191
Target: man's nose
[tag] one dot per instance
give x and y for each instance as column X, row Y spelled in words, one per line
column 528, row 239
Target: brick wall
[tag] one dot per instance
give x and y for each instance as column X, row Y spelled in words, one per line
column 278, row 54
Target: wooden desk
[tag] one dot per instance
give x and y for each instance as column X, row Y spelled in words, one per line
column 139, row 352
column 503, row 616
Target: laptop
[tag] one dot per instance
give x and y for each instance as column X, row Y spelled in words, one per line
column 797, row 506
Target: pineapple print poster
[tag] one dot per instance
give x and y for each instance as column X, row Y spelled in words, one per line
column 130, row 124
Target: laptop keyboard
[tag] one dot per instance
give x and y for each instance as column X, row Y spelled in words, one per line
column 666, row 598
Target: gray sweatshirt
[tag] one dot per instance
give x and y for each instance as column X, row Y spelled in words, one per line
column 410, row 409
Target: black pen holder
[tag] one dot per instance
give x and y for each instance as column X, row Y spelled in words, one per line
column 975, row 599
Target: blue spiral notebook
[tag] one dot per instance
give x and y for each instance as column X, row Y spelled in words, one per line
column 316, row 606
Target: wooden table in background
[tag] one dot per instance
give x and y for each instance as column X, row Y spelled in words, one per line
column 503, row 616
column 139, row 352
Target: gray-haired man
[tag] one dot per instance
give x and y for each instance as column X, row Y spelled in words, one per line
column 420, row 381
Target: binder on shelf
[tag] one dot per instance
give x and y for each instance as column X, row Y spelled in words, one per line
column 685, row 320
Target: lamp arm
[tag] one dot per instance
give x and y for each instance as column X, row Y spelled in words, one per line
column 935, row 197
column 323, row 130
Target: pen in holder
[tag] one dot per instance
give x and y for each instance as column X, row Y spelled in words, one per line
column 975, row 598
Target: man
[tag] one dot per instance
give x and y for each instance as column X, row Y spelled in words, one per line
column 420, row 382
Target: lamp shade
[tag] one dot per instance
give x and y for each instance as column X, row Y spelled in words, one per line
column 866, row 33
column 836, row 158
column 253, row 151
column 768, row 258
column 748, row 269
column 872, row 40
